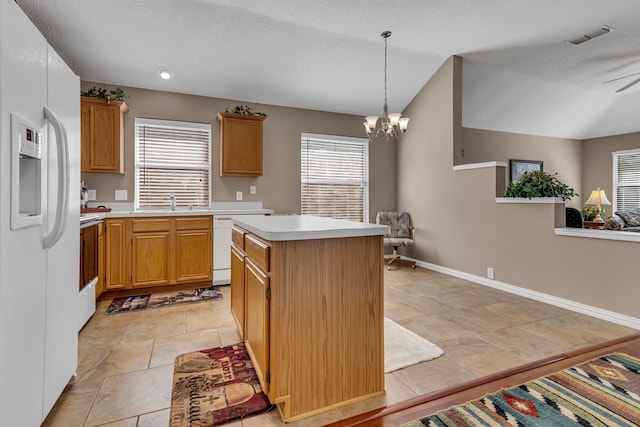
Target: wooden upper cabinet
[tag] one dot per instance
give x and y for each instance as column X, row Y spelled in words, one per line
column 102, row 135
column 240, row 144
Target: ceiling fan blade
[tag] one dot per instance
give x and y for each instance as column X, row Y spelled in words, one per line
column 627, row 86
column 620, row 78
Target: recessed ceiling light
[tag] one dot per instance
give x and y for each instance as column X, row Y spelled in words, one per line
column 165, row 73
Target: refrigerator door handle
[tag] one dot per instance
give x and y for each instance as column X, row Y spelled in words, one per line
column 62, row 210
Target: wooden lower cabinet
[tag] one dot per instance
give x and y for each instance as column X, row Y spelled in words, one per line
column 237, row 287
column 101, row 256
column 194, row 248
column 116, row 254
column 256, row 333
column 156, row 251
column 313, row 319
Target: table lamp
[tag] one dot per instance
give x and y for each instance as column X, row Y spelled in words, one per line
column 598, row 197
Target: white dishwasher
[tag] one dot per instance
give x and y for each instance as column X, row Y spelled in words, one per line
column 222, row 249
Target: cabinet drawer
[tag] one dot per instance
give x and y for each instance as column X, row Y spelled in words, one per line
column 237, row 237
column 193, row 223
column 150, row 224
column 258, row 251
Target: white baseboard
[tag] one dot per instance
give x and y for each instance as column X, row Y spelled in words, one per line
column 610, row 316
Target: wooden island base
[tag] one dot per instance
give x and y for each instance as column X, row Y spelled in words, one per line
column 311, row 313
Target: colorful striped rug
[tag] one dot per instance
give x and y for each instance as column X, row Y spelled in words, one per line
column 603, row 392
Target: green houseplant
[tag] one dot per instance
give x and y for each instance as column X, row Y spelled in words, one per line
column 116, row 94
column 539, row 184
column 589, row 213
column 245, row 110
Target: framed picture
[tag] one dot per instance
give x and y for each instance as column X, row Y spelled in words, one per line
column 518, row 167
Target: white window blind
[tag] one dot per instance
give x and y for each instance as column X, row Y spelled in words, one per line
column 172, row 157
column 335, row 176
column 626, row 180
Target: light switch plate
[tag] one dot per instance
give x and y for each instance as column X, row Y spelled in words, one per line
column 121, row 194
column 91, row 194
column 252, row 189
column 238, row 195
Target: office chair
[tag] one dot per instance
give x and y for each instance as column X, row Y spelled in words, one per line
column 573, row 218
column 402, row 233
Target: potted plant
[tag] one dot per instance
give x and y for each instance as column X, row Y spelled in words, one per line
column 245, row 110
column 589, row 212
column 539, row 184
column 116, row 94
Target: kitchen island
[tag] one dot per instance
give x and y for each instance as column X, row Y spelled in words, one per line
column 307, row 295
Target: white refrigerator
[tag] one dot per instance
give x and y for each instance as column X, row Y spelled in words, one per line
column 39, row 221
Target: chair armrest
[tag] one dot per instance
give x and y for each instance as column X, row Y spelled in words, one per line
column 413, row 232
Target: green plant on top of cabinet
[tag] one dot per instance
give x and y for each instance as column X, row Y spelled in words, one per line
column 102, row 135
column 240, row 144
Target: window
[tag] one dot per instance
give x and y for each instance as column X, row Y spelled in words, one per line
column 626, row 180
column 172, row 157
column 335, row 176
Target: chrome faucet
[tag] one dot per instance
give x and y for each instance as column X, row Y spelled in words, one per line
column 173, row 201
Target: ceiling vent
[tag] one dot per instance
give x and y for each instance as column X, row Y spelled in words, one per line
column 592, row 35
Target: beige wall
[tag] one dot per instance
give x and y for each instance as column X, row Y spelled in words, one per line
column 460, row 226
column 559, row 155
column 279, row 187
column 598, row 162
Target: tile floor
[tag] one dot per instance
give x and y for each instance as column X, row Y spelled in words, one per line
column 126, row 360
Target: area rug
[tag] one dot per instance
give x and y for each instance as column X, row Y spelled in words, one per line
column 215, row 386
column 603, row 392
column 163, row 299
column 404, row 348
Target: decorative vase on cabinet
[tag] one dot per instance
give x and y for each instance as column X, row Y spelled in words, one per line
column 102, row 135
column 240, row 144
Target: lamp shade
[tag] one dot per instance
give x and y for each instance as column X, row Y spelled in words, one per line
column 598, row 197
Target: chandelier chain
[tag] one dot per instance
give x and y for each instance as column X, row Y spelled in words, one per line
column 385, row 68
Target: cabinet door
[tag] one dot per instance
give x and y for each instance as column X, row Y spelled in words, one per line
column 116, row 254
column 150, row 259
column 240, row 145
column 194, row 256
column 102, row 133
column 100, row 284
column 237, row 287
column 257, row 319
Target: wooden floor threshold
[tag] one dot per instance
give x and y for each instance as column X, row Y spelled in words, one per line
column 421, row 406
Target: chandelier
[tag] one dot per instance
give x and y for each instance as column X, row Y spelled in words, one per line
column 391, row 125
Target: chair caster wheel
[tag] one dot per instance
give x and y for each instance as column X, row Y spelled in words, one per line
column 389, row 268
column 413, row 266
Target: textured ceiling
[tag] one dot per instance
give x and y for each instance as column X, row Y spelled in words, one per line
column 520, row 74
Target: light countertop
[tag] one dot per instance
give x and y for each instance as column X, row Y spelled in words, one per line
column 217, row 208
column 187, row 212
column 306, row 227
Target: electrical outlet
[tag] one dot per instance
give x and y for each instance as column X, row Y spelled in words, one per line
column 490, row 273
column 252, row 189
column 121, row 195
column 238, row 195
column 91, row 194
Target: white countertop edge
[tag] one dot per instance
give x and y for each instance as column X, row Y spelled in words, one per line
column 306, row 227
column 493, row 164
column 531, row 200
column 214, row 212
column 627, row 236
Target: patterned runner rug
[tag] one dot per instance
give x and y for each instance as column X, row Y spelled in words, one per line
column 215, row 386
column 162, row 299
column 603, row 392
